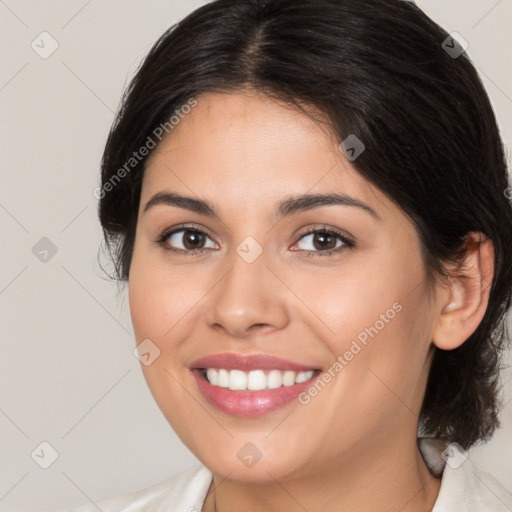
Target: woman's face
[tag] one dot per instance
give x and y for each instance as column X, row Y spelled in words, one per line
column 354, row 309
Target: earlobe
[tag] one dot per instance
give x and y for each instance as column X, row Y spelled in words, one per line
column 465, row 298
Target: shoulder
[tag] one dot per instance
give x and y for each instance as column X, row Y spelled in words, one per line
column 464, row 486
column 184, row 491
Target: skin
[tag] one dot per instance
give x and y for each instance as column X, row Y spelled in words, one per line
column 353, row 446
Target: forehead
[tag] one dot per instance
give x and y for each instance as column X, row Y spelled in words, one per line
column 245, row 124
column 232, row 146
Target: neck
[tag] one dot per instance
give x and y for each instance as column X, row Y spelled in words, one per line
column 391, row 478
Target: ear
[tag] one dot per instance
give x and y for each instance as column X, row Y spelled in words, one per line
column 464, row 300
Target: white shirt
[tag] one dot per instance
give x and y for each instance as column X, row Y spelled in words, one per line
column 464, row 488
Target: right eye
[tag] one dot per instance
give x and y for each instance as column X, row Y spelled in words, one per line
column 186, row 240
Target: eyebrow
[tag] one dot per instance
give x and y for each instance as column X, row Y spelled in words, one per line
column 288, row 206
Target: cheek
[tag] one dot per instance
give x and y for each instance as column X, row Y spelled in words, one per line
column 373, row 316
column 161, row 297
column 161, row 309
column 348, row 302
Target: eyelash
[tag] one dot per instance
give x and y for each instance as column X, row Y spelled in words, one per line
column 347, row 243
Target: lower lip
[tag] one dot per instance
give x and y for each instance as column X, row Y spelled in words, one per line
column 249, row 403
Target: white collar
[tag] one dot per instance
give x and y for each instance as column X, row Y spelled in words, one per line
column 464, row 487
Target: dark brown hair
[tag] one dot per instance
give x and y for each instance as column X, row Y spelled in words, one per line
column 377, row 69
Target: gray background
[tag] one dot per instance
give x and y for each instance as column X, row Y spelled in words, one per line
column 68, row 375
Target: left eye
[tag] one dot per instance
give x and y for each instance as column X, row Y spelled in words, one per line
column 322, row 240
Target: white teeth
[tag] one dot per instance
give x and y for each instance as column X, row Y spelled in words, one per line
column 237, row 380
column 288, row 378
column 255, row 380
column 223, row 381
column 303, row 376
column 274, row 379
column 213, row 376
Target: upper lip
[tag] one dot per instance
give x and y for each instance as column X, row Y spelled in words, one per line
column 245, row 362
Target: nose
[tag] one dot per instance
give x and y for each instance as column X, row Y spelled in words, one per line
column 248, row 299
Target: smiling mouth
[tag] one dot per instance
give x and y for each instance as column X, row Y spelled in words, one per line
column 255, row 380
column 251, row 385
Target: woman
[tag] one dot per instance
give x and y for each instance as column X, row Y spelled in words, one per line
column 308, row 203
